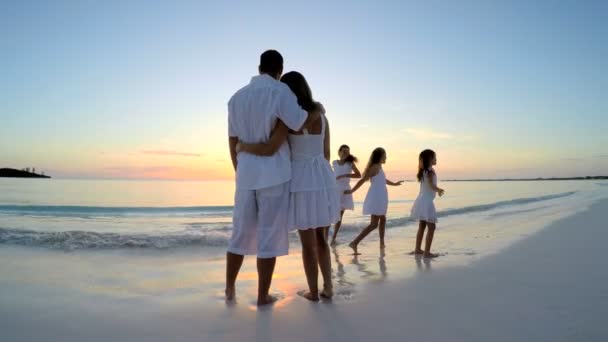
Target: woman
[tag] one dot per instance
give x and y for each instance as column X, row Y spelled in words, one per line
column 314, row 201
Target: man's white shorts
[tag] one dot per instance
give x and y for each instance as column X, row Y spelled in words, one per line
column 260, row 222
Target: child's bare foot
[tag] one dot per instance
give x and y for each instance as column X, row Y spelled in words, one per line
column 417, row 252
column 429, row 255
column 354, row 247
column 268, row 300
column 382, row 245
column 230, row 293
column 313, row 297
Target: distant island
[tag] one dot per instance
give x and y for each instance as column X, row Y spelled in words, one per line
column 528, row 179
column 26, row 173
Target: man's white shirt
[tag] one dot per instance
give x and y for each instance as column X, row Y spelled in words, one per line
column 253, row 112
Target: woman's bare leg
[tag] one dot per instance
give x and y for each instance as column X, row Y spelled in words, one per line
column 337, row 228
column 381, row 227
column 429, row 240
column 324, row 260
column 309, row 259
column 373, row 225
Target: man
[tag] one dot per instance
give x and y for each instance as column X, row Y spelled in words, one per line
column 262, row 183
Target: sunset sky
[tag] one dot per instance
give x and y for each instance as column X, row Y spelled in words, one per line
column 138, row 89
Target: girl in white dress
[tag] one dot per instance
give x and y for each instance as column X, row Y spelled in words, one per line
column 314, row 202
column 345, row 169
column 376, row 201
column 423, row 209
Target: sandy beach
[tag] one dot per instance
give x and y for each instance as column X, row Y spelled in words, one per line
column 548, row 286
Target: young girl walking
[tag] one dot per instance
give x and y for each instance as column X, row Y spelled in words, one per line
column 423, row 209
column 376, row 200
column 345, row 169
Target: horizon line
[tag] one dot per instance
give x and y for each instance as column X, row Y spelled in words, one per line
column 598, row 177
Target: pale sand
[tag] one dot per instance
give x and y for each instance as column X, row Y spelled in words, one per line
column 551, row 286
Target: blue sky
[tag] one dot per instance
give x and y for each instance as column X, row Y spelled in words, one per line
column 138, row 89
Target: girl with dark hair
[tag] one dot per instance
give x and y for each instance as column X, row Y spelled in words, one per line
column 345, row 169
column 376, row 200
column 314, row 201
column 423, row 209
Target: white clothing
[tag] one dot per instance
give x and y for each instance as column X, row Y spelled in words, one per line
column 346, row 200
column 376, row 200
column 314, row 198
column 252, row 114
column 260, row 222
column 424, row 208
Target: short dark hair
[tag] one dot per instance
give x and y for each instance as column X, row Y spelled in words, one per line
column 271, row 62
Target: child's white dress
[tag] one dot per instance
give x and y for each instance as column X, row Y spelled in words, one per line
column 314, row 198
column 424, row 208
column 346, row 200
column 376, row 200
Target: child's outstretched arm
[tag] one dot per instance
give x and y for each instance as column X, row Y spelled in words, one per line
column 357, row 186
column 388, row 182
column 369, row 174
column 277, row 138
column 356, row 173
column 429, row 181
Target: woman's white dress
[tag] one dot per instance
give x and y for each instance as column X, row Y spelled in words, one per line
column 346, row 200
column 376, row 200
column 314, row 200
column 424, row 208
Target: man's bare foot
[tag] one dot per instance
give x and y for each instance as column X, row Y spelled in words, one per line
column 333, row 243
column 382, row 245
column 327, row 292
column 313, row 297
column 354, row 247
column 230, row 293
column 417, row 252
column 429, row 255
column 268, row 300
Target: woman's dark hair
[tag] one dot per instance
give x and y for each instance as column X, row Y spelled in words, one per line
column 424, row 163
column 297, row 83
column 375, row 158
column 350, row 159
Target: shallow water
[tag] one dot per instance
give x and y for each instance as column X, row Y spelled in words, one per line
column 103, row 214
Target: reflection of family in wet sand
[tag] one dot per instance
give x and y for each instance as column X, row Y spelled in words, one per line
column 364, row 269
column 279, row 140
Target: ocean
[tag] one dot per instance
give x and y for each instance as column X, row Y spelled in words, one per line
column 80, row 215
